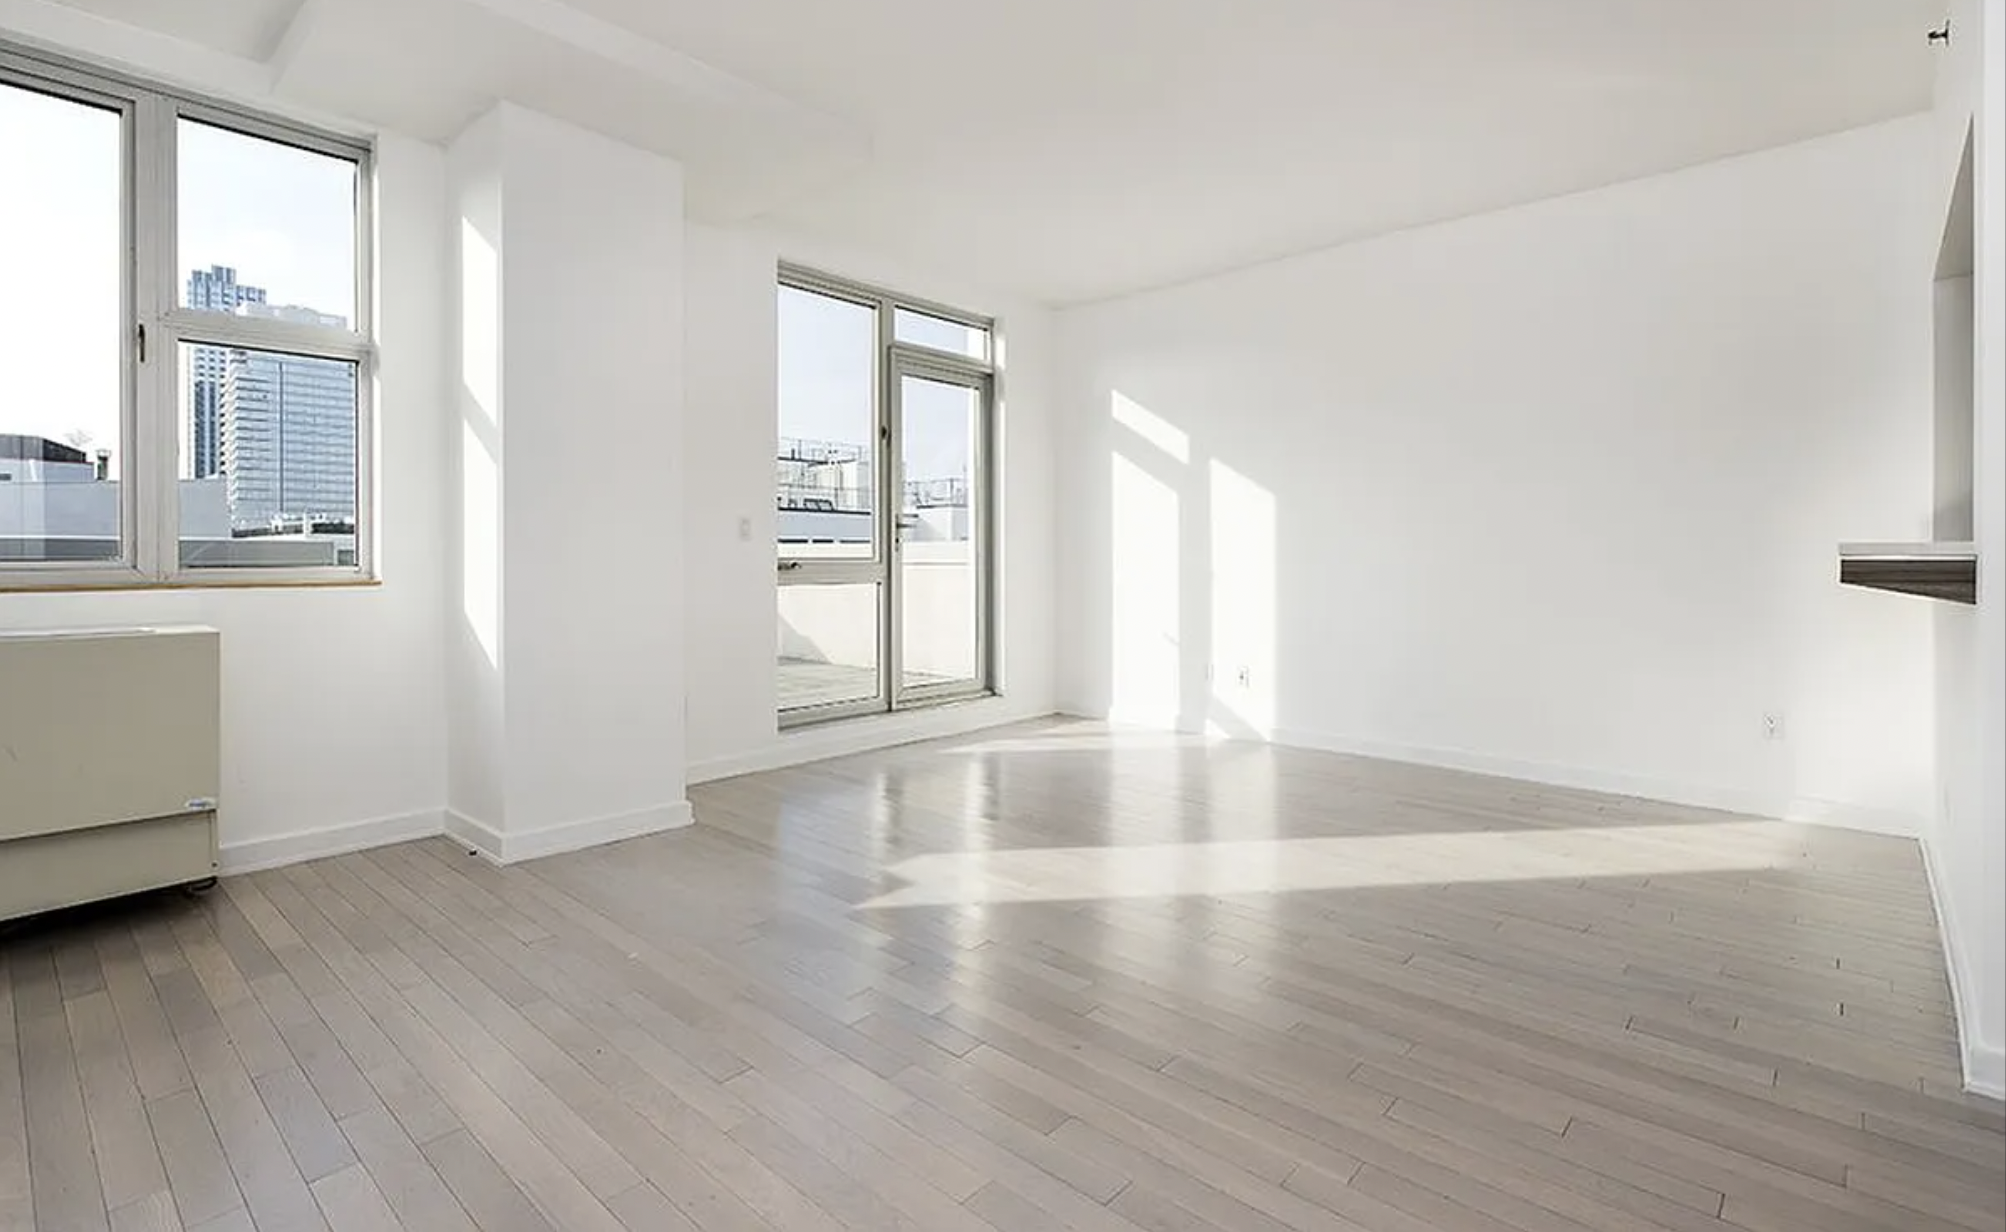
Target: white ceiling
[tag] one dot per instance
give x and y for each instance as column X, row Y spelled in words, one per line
column 247, row 28
column 1076, row 149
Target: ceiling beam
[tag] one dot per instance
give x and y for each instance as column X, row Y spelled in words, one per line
column 299, row 31
column 675, row 69
column 76, row 32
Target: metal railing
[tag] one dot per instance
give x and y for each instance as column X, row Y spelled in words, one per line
column 800, row 449
column 812, row 497
column 936, row 493
column 951, row 493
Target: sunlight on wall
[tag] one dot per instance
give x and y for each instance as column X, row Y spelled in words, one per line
column 1144, row 636
column 480, row 469
column 480, row 320
column 1273, row 866
column 1150, row 427
column 480, row 561
column 1243, row 605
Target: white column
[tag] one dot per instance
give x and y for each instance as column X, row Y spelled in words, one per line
column 565, row 659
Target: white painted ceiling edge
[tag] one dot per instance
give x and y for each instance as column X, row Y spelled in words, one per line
column 428, row 68
column 1075, row 150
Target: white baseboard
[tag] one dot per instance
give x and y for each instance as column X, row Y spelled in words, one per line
column 1615, row 783
column 254, row 855
column 511, row 847
column 476, row 836
column 863, row 735
column 1984, row 1064
column 1985, row 1070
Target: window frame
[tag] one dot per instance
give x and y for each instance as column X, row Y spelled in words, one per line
column 895, row 359
column 841, row 568
column 156, row 325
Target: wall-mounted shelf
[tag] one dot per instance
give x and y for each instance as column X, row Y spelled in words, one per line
column 1933, row 570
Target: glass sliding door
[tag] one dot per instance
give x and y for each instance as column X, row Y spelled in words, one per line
column 940, row 418
column 882, row 487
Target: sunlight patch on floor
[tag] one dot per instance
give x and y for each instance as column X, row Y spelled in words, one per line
column 1161, row 870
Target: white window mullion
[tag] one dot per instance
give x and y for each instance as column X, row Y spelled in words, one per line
column 156, row 449
column 133, row 516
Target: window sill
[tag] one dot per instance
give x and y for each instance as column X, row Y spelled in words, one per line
column 127, row 586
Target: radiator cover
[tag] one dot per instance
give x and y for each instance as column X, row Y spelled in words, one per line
column 109, row 763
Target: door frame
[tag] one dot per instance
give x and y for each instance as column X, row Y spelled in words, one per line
column 925, row 365
column 893, row 361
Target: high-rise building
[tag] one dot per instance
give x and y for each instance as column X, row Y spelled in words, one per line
column 215, row 289
column 286, row 432
column 279, row 429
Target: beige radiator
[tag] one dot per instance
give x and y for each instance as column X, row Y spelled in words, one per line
column 109, row 764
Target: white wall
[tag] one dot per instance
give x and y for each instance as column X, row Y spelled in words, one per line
column 730, row 436
column 472, row 645
column 333, row 708
column 594, row 577
column 1552, row 492
column 566, row 671
column 1981, row 853
column 1966, row 839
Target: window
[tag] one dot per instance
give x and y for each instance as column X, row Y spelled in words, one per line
column 826, row 492
column 62, row 421
column 190, row 380
column 882, row 494
column 927, row 330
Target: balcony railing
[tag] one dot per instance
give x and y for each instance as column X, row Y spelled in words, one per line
column 799, row 449
column 918, row 494
column 818, row 499
column 936, row 493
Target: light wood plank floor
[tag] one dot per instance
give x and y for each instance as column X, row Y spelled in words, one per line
column 1044, row 978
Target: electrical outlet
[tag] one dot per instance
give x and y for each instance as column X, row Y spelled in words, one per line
column 1772, row 726
column 1246, row 678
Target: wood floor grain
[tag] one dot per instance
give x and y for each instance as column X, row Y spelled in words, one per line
column 1047, row 977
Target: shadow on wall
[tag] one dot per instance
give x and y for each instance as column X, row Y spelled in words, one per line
column 1192, row 570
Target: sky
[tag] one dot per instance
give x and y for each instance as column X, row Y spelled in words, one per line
column 284, row 218
column 827, row 350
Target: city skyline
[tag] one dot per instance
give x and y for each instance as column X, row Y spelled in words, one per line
column 215, row 289
column 243, row 202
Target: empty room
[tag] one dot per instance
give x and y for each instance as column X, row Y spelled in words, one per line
column 1031, row 616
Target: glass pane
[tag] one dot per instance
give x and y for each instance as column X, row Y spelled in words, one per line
column 63, row 337
column 266, row 229
column 268, row 474
column 826, row 490
column 938, row 592
column 922, row 329
column 828, row 650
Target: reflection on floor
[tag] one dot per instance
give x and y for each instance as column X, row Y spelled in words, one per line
column 805, row 683
column 1047, row 977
